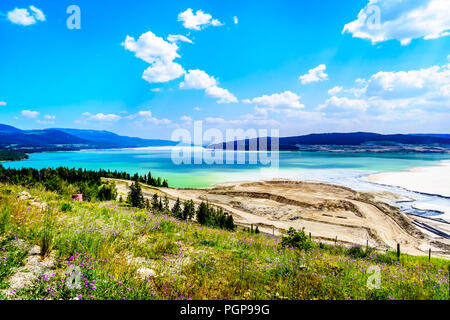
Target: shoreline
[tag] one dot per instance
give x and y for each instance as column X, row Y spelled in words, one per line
column 436, row 179
column 430, row 181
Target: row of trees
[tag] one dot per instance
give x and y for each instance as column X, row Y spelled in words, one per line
column 150, row 180
column 205, row 213
column 31, row 176
column 208, row 215
column 66, row 181
column 11, row 155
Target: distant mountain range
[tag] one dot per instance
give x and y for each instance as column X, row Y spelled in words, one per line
column 76, row 139
column 70, row 139
column 354, row 141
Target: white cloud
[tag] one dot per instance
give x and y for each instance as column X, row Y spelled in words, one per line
column 49, row 117
column 314, row 75
column 334, row 90
column 425, row 90
column 163, row 72
column 218, row 120
column 198, row 20
column 151, row 48
column 286, row 98
column 178, row 37
column 197, row 108
column 344, row 103
column 216, row 23
column 214, row 120
column 248, row 119
column 261, row 111
column 197, row 79
column 235, row 20
column 360, row 82
column 186, row 119
column 145, row 116
column 2, row 103
column 45, row 122
column 401, row 20
column 427, row 83
column 223, row 94
column 37, row 13
column 24, row 17
column 29, row 113
column 159, row 53
column 103, row 117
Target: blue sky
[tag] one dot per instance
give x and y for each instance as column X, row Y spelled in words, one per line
column 297, row 66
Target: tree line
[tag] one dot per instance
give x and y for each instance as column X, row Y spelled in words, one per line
column 11, row 155
column 65, row 181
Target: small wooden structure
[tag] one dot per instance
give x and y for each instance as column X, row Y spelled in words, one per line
column 77, row 197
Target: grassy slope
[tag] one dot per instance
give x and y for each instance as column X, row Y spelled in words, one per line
column 117, row 248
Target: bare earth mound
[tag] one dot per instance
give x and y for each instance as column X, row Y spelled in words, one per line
column 326, row 211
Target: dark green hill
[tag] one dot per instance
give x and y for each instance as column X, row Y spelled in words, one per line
column 70, row 139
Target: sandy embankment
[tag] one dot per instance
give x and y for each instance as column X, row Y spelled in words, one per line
column 326, row 211
column 430, row 180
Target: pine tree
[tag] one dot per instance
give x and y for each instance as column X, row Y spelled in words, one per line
column 166, row 204
column 155, row 203
column 230, row 223
column 150, row 179
column 189, row 210
column 202, row 213
column 135, row 197
column 176, row 210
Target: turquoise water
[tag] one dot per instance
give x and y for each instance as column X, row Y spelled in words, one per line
column 322, row 166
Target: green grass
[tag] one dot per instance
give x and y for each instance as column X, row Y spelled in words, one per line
column 11, row 257
column 110, row 243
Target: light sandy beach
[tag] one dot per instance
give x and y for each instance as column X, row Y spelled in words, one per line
column 430, row 180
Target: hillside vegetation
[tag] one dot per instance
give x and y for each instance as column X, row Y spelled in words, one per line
column 11, row 155
column 53, row 248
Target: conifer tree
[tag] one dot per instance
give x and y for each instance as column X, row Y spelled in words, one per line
column 155, row 203
column 176, row 210
column 202, row 213
column 189, row 210
column 166, row 204
column 135, row 197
